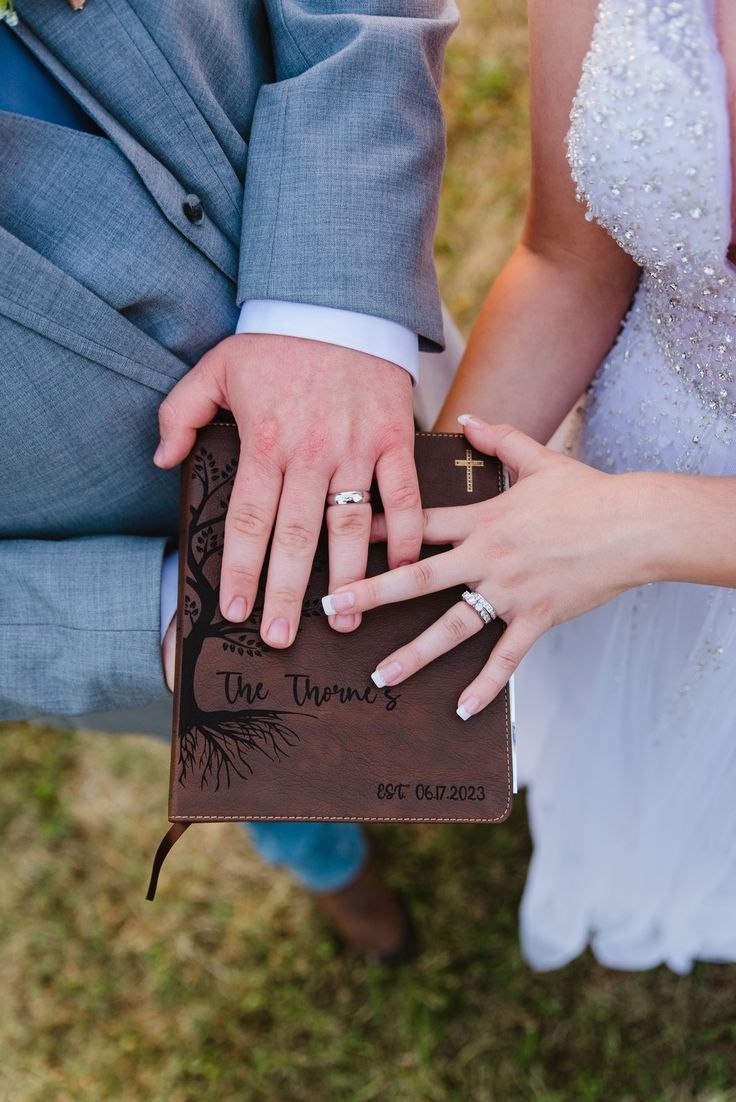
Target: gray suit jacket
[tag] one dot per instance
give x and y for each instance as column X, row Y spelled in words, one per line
column 311, row 133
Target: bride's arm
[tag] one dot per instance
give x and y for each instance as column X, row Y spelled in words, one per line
column 557, row 306
column 565, row 539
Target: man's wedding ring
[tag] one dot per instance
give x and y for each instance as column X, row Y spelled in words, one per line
column 484, row 608
column 350, row 497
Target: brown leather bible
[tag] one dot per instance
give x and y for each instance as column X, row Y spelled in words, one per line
column 303, row 733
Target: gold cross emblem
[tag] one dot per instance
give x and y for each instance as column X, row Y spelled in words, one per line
column 468, row 462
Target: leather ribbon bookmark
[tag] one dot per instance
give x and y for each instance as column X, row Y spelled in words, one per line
column 173, row 834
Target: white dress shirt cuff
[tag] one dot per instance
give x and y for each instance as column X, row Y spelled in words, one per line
column 169, row 589
column 365, row 333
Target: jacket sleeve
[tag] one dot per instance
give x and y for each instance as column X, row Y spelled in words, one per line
column 79, row 625
column 345, row 161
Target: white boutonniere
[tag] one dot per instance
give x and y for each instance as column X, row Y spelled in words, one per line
column 9, row 14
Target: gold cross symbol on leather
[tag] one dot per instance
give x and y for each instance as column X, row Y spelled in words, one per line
column 468, row 462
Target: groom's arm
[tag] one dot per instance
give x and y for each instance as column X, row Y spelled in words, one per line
column 346, row 153
column 80, row 624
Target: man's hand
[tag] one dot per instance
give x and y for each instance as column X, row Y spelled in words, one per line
column 313, row 419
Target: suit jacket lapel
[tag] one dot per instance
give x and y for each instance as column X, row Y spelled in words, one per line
column 40, row 296
column 108, row 62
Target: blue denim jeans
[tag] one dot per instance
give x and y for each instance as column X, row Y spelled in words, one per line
column 323, row 857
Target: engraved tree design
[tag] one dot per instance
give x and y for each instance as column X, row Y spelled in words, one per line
column 219, row 744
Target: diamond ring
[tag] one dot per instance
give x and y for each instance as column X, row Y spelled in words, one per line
column 350, row 497
column 484, row 608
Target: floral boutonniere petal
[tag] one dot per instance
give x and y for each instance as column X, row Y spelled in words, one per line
column 8, row 13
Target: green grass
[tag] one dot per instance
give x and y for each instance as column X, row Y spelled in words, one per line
column 228, row 988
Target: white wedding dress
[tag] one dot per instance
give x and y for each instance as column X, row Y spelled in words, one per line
column 627, row 716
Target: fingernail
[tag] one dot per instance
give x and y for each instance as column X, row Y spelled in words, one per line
column 468, row 707
column 340, row 602
column 158, row 455
column 469, row 419
column 386, row 674
column 236, row 609
column 344, row 621
column 278, row 632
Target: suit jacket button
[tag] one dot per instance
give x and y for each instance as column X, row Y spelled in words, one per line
column 192, row 207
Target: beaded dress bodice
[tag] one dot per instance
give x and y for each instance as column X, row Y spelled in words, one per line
column 649, row 150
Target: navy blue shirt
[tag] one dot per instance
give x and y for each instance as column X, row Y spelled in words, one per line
column 28, row 89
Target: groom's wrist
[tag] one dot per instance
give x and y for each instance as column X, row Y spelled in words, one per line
column 379, row 337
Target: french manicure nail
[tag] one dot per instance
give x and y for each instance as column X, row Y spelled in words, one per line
column 158, row 455
column 469, row 419
column 236, row 609
column 468, row 707
column 384, row 676
column 339, row 602
column 278, row 632
column 344, row 621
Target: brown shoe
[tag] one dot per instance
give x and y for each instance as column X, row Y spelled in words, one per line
column 371, row 918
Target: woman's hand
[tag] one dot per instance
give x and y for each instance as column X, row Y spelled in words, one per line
column 563, row 540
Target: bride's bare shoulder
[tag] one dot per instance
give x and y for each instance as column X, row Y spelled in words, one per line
column 560, row 33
